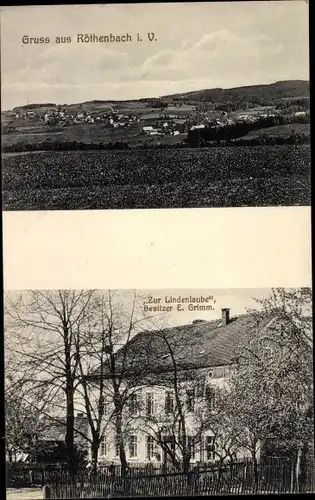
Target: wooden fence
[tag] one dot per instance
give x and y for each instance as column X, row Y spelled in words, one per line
column 227, row 479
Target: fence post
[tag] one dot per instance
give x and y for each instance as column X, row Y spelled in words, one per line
column 46, row 492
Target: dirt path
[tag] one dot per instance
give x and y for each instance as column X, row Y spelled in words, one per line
column 24, row 493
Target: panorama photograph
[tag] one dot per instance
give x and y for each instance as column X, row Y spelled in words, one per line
column 140, row 393
column 120, row 107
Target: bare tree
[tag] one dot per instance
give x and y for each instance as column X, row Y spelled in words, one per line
column 23, row 422
column 77, row 343
column 108, row 365
column 179, row 422
column 43, row 324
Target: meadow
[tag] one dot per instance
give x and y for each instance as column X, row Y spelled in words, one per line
column 205, row 177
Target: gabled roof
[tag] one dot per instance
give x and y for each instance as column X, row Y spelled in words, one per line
column 196, row 345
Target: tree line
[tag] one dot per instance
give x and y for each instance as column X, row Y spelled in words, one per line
column 196, row 141
column 230, row 132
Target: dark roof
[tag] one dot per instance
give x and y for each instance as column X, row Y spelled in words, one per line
column 196, row 345
column 56, row 430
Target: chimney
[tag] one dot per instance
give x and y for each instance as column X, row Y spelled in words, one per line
column 225, row 316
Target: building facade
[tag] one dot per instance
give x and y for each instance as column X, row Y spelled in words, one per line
column 203, row 353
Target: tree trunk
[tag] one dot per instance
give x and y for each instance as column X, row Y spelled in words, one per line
column 186, row 462
column 94, row 453
column 292, row 478
column 120, row 441
column 217, row 486
column 303, row 467
column 123, row 459
column 297, row 469
column 71, row 462
column 255, row 470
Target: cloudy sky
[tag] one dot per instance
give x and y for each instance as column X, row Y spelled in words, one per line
column 198, row 45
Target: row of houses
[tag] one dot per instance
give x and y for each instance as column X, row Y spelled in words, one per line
column 110, row 119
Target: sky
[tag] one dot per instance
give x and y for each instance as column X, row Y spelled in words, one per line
column 195, row 46
column 238, row 300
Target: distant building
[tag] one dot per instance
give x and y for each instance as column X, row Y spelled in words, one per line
column 196, row 127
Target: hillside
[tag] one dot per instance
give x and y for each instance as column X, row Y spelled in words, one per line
column 257, row 93
column 267, row 93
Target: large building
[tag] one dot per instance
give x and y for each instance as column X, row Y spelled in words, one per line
column 161, row 367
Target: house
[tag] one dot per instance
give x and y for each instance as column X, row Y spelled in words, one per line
column 147, row 128
column 300, row 113
column 53, row 436
column 205, row 349
column 196, row 127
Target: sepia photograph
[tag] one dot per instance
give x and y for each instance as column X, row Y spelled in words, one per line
column 149, row 106
column 138, row 393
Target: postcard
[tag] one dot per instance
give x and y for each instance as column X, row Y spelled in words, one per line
column 157, row 249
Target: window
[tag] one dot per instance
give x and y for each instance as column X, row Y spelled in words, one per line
column 149, row 447
column 133, row 404
column 133, row 446
column 149, row 404
column 190, row 400
column 104, row 405
column 210, row 448
column 210, row 398
column 169, row 403
column 191, row 446
column 103, row 447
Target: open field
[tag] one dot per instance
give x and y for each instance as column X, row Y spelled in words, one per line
column 206, row 177
column 96, row 133
column 281, row 130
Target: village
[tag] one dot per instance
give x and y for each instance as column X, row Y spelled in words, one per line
column 166, row 121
